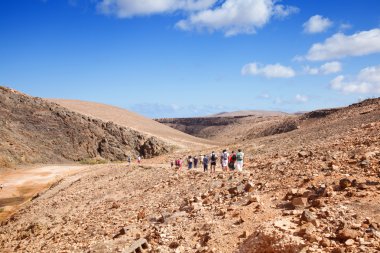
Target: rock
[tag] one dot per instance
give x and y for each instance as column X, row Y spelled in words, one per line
column 308, row 216
column 349, row 242
column 249, row 187
column 325, row 242
column 344, row 183
column 174, row 245
column 337, row 250
column 347, row 233
column 299, row 202
column 304, row 154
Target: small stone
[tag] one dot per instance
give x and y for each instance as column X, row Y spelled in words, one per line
column 347, row 233
column 299, row 202
column 174, row 245
column 308, row 216
column 325, row 242
column 349, row 242
column 344, row 183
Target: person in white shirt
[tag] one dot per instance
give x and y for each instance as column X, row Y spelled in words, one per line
column 239, row 160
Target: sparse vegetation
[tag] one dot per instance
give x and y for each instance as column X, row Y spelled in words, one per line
column 93, row 161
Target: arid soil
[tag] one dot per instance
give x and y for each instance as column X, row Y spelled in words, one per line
column 315, row 188
column 33, row 130
column 19, row 186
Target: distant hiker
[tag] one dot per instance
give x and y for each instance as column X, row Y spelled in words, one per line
column 213, row 158
column 201, row 158
column 239, row 160
column 139, row 159
column 224, row 159
column 190, row 162
column 195, row 162
column 205, row 163
column 232, row 161
column 180, row 162
column 129, row 160
column 1, row 186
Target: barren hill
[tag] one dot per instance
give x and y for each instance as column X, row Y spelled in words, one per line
column 34, row 130
column 135, row 121
column 314, row 188
column 246, row 113
column 224, row 129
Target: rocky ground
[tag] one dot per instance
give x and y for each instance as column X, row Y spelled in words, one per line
column 314, row 189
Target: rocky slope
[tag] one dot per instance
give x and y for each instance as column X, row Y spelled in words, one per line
column 222, row 129
column 135, row 121
column 33, row 130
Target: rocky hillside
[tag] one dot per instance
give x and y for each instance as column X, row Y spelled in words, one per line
column 134, row 121
column 220, row 128
column 33, row 130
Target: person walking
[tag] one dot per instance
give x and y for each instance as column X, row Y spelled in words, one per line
column 239, row 160
column 205, row 163
column 201, row 158
column 213, row 159
column 224, row 159
column 195, row 162
column 139, row 159
column 190, row 162
column 232, row 161
column 129, row 160
column 180, row 162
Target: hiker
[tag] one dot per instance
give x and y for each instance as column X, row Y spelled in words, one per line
column 195, row 162
column 179, row 162
column 239, row 160
column 190, row 162
column 205, row 163
column 1, row 186
column 139, row 159
column 213, row 158
column 232, row 160
column 129, row 160
column 201, row 158
column 224, row 159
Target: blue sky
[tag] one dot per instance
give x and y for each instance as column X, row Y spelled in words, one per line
column 173, row 58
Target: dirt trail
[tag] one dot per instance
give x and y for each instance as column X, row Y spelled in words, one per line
column 21, row 185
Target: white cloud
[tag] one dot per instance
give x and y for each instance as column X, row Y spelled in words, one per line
column 131, row 8
column 236, row 16
column 367, row 81
column 327, row 68
column 317, row 24
column 340, row 46
column 269, row 71
column 302, row 98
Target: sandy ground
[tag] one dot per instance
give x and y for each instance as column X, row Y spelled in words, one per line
column 21, row 185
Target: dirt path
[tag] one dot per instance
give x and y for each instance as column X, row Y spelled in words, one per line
column 21, row 185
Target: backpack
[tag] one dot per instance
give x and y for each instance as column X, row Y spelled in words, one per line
column 239, row 156
column 233, row 158
column 225, row 156
column 213, row 158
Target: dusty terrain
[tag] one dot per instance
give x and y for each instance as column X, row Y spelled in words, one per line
column 310, row 184
column 134, row 121
column 33, row 130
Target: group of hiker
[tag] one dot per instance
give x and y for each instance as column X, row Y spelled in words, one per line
column 228, row 162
